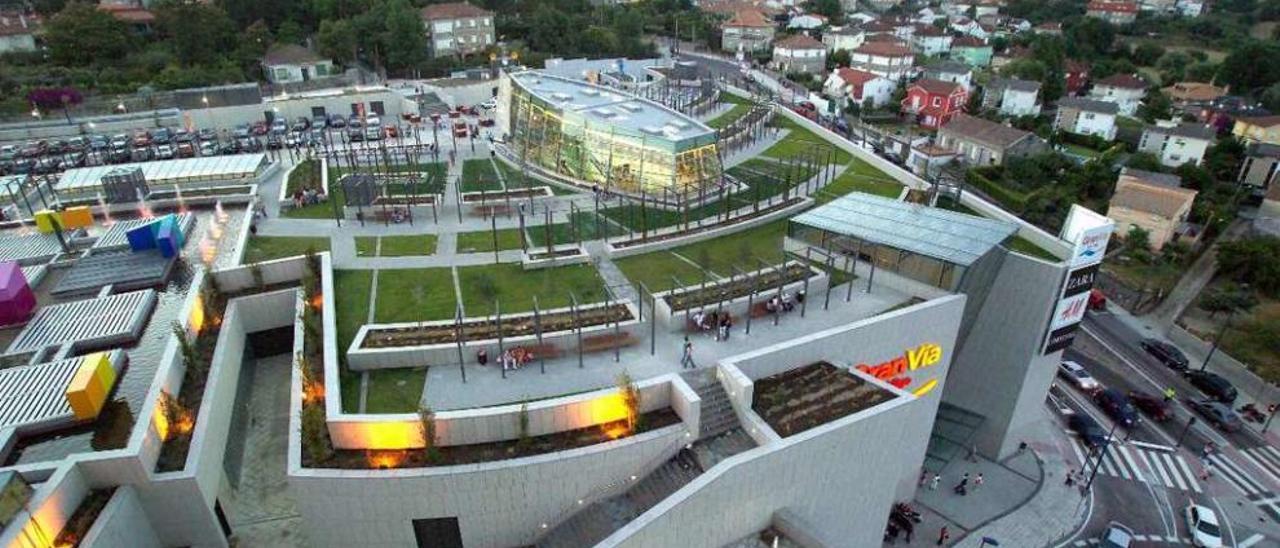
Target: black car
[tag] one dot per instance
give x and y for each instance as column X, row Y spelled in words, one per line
column 1117, row 406
column 1088, row 429
column 184, row 137
column 1154, row 406
column 337, row 121
column 99, row 142
column 1218, row 414
column 161, row 136
column 1168, row 354
column 229, row 147
column 1213, row 386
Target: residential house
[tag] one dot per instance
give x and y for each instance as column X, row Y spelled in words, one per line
column 18, row 31
column 287, row 63
column 1154, row 202
column 1178, row 144
column 1261, row 129
column 1012, row 97
column 1191, row 8
column 852, row 86
column 983, row 142
column 800, row 53
column 457, row 29
column 1125, row 90
column 139, row 19
column 747, row 31
column 1017, row 24
column 934, row 102
column 1158, row 6
column 725, row 9
column 950, row 71
column 1182, row 93
column 926, row 159
column 971, row 51
column 1114, row 12
column 964, row 26
column 930, row 40
column 890, row 60
column 881, row 27
column 1261, row 166
column 1075, row 75
column 807, row 21
column 1086, row 117
column 846, row 38
column 882, row 5
column 1222, row 113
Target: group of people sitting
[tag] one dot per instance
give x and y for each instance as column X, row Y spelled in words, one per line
column 308, row 196
column 511, row 358
column 786, row 303
column 707, row 321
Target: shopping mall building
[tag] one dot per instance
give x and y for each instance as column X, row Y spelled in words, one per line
column 586, row 134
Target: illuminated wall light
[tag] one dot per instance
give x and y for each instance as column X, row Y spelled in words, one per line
column 196, row 319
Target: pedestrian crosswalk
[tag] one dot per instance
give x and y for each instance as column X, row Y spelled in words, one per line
column 1142, row 465
column 1265, row 457
column 1236, row 476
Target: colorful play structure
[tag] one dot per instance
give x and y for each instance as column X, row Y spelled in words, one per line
column 164, row 234
column 68, row 219
column 17, row 300
column 89, row 387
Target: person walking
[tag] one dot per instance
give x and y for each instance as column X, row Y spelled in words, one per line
column 933, row 484
column 1071, row 477
column 686, row 359
column 977, row 482
column 961, row 487
column 943, row 535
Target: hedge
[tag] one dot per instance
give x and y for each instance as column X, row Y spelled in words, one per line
column 1011, row 199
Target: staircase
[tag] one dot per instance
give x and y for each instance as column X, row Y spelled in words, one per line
column 717, row 413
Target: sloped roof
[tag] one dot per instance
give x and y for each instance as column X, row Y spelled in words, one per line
column 1263, row 121
column 1137, row 192
column 290, row 54
column 748, row 18
column 985, row 131
column 453, row 10
column 129, row 14
column 1190, row 131
column 1015, row 84
column 884, row 49
column 929, row 30
column 1089, row 105
column 969, row 42
column 1126, row 81
column 799, row 41
column 936, row 87
column 17, row 24
column 855, row 77
column 1267, row 150
column 948, row 67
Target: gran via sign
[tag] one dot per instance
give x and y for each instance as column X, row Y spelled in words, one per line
column 896, row 371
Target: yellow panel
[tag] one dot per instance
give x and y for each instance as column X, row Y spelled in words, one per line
column 77, row 217
column 85, row 393
column 103, row 372
column 45, row 220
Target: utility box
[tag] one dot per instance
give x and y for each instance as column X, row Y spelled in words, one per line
column 17, row 300
column 124, row 185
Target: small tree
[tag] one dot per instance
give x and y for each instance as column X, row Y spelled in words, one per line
column 186, row 348
column 255, row 270
column 630, row 394
column 1230, row 298
column 314, row 442
column 1138, row 239
column 175, row 414
column 427, row 427
column 524, row 440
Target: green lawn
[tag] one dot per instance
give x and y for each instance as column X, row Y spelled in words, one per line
column 409, row 245
column 1083, row 151
column 395, row 390
column 516, row 287
column 479, row 175
column 515, row 179
column 366, row 246
column 305, row 175
column 1025, row 247
column 433, row 185
column 720, row 256
column 724, row 120
column 562, row 233
column 482, row 241
column 860, row 177
column 351, row 304
column 415, row 294
column 798, row 141
column 266, row 248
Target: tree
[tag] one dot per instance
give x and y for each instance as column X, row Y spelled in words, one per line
column 1137, row 238
column 81, row 34
column 404, row 41
column 1201, row 71
column 838, row 58
column 630, row 395
column 1146, row 54
column 1253, row 260
column 198, row 32
column 1157, row 106
column 1251, row 66
column 427, row 428
column 337, row 39
column 1223, row 159
column 290, row 32
column 1230, row 298
column 1090, row 38
column 1271, row 97
column 831, row 9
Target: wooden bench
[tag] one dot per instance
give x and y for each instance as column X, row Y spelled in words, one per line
column 544, row 350
column 760, row 309
column 486, row 211
column 610, row 341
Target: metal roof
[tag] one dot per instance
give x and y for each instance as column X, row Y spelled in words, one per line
column 35, row 395
column 211, row 168
column 610, row 107
column 104, row 321
column 949, row 236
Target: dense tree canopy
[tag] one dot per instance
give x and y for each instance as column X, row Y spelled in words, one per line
column 83, row 35
column 1252, row 260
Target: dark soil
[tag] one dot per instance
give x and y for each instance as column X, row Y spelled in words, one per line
column 488, row 452
column 724, row 291
column 82, row 519
column 802, row 398
column 539, row 255
column 500, row 195
column 681, row 233
column 477, row 330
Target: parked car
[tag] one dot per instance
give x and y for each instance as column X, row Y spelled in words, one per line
column 141, row 154
column 77, row 144
column 186, row 149
column 355, row 134
column 259, row 127
column 1117, row 535
column 164, row 152
column 1075, row 374
column 34, row 149
column 46, row 165
column 161, row 136
column 1213, row 386
column 1217, row 414
column 279, row 125
column 316, row 137
column 294, row 139
column 1168, row 354
column 373, row 133
column 184, row 137
column 337, row 121
column 1154, row 406
column 490, row 104
column 1117, row 406
column 229, row 147
column 208, row 134
column 208, row 148
column 274, row 141
column 1202, row 523
column 300, row 125
column 1090, row 432
column 243, row 131
column 99, row 143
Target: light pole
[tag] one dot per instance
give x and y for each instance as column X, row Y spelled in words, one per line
column 1217, row 339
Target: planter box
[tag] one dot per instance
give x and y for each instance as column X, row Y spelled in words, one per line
column 500, row 196
column 536, row 257
column 675, row 320
column 618, row 249
column 361, row 357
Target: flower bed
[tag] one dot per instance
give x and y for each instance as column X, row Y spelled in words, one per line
column 734, row 288
column 424, row 199
column 543, row 255
column 487, row 328
column 499, row 195
column 809, row 396
column 745, row 217
column 85, row 515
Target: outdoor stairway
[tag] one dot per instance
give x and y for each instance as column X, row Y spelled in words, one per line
column 600, row 519
column 717, row 413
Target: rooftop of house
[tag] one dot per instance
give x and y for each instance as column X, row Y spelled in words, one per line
column 129, row 14
column 855, row 77
column 1088, row 105
column 748, row 17
column 730, row 7
column 1112, row 6
column 1265, row 150
column 969, row 42
column 799, row 41
column 1149, row 192
column 937, row 87
column 17, row 24
column 884, row 49
column 453, row 10
column 1124, row 81
column 930, row 31
column 290, row 54
column 1015, row 84
column 1194, row 91
column 948, row 67
column 1190, row 131
column 985, row 131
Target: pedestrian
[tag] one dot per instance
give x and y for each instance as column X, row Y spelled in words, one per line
column 924, row 476
column 1071, row 477
column 1208, row 471
column 1022, row 448
column 933, row 483
column 977, row 482
column 482, row 356
column 943, row 535
column 960, row 488
column 686, row 360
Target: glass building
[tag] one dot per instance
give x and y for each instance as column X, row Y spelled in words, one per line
column 596, row 135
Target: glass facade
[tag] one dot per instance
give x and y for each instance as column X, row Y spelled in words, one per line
column 591, row 150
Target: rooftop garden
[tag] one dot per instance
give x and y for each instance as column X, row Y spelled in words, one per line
column 860, row 177
column 715, row 258
column 479, row 174
column 486, row 241
column 515, row 288
column 813, row 395
column 414, row 295
column 393, row 390
column 799, row 141
column 351, row 304
column 266, row 248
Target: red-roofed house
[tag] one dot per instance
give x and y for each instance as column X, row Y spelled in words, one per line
column 748, row 30
column 1125, row 90
column 1076, row 74
column 137, row 17
column 800, row 53
column 457, row 28
column 846, row 86
column 1116, row 13
column 888, row 59
column 934, row 102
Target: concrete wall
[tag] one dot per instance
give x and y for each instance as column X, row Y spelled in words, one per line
column 122, row 524
column 999, row 371
column 738, row 308
column 50, row 507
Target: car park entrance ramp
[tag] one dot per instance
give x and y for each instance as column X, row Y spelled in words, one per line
column 113, row 320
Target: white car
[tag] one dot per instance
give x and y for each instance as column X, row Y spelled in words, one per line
column 164, row 152
column 1077, row 376
column 1116, row 536
column 1203, row 526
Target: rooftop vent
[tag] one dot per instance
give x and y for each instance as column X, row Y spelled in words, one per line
column 679, row 124
column 561, row 96
column 604, row 113
column 652, row 130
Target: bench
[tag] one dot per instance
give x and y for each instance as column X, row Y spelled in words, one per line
column 486, row 211
column 690, row 327
column 545, row 350
column 760, row 309
column 597, row 343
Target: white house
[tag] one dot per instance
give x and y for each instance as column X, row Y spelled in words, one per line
column 844, row 38
column 1086, row 117
column 807, row 21
column 17, row 32
column 1125, row 90
column 1178, row 144
column 285, row 63
column 800, row 53
column 1190, row 8
column 888, row 59
column 951, row 71
column 1012, row 97
column 846, row 85
column 930, row 40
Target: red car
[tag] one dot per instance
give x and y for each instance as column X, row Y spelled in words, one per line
column 391, row 132
column 1153, row 406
